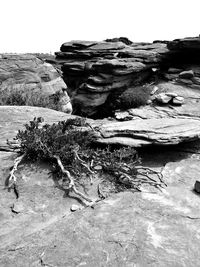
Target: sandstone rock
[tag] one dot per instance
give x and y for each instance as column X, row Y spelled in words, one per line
column 174, row 70
column 178, row 100
column 141, row 229
column 95, row 70
column 185, row 81
column 188, row 74
column 196, row 80
column 149, row 102
column 75, row 207
column 197, row 186
column 162, row 98
column 159, row 131
column 154, row 90
column 120, row 39
column 12, row 119
column 64, row 103
column 172, row 94
column 190, row 43
column 29, row 76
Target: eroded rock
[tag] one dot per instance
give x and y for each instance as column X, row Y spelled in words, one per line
column 28, row 80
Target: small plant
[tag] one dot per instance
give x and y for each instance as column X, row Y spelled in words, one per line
column 133, row 97
column 69, row 147
column 21, row 98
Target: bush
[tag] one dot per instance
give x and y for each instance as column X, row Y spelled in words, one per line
column 133, row 97
column 21, row 98
column 70, row 147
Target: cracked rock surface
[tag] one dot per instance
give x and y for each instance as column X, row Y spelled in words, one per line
column 126, row 229
column 150, row 228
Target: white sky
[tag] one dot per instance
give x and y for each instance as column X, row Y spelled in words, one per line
column 43, row 25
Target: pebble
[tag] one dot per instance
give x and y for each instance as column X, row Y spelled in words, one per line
column 149, row 102
column 98, row 167
column 188, row 74
column 155, row 88
column 197, row 186
column 163, row 98
column 75, row 207
column 179, row 100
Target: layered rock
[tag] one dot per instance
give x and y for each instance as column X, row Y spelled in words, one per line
column 28, row 77
column 139, row 132
column 93, row 71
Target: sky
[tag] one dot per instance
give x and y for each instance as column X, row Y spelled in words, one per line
column 43, row 25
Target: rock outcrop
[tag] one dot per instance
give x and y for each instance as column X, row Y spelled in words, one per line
column 98, row 72
column 154, row 129
column 29, row 78
column 93, row 71
column 13, row 118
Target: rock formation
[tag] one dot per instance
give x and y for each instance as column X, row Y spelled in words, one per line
column 147, row 228
column 93, row 71
column 98, row 72
column 28, row 77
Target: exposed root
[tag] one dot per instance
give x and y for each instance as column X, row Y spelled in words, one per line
column 72, row 186
column 84, row 164
column 12, row 178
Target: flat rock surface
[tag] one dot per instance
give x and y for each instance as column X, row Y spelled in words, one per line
column 13, row 118
column 150, row 228
column 159, row 131
column 126, row 229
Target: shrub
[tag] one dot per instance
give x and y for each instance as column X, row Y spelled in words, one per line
column 70, row 147
column 133, row 97
column 21, row 98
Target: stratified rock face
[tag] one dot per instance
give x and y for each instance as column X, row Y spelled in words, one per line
column 185, row 50
column 136, row 133
column 156, row 131
column 190, row 43
column 94, row 70
column 28, row 74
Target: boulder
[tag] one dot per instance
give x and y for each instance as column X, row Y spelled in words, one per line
column 188, row 74
column 197, row 186
column 28, row 80
column 163, row 98
column 178, row 100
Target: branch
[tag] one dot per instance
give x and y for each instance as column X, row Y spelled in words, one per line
column 72, row 186
column 83, row 163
